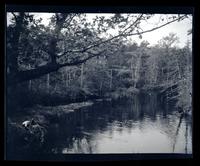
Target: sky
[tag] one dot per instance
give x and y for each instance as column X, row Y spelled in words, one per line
column 180, row 28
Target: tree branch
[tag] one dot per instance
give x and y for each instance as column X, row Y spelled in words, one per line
column 83, row 60
column 139, row 18
column 150, row 30
column 69, row 21
column 22, row 76
column 14, row 16
column 120, row 35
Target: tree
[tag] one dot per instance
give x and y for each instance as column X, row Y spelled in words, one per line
column 69, row 40
column 185, row 84
column 169, row 41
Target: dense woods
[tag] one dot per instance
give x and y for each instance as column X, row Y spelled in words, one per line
column 72, row 59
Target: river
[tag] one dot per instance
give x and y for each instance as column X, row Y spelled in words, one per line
column 133, row 126
column 138, row 125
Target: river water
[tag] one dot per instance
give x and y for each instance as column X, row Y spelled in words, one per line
column 137, row 125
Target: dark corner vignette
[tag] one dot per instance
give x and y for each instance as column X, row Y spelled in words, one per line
column 89, row 84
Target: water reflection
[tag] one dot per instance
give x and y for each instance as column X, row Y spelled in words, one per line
column 138, row 125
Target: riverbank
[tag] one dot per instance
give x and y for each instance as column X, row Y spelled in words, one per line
column 35, row 135
column 45, row 114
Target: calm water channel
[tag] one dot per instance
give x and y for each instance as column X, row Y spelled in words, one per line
column 139, row 125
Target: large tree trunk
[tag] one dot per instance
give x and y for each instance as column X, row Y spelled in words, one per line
column 22, row 76
column 15, row 43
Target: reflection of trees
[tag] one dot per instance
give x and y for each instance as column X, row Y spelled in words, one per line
column 167, row 125
column 188, row 127
column 177, row 131
column 153, row 106
column 149, row 105
column 187, row 121
column 82, row 145
column 68, row 134
column 186, row 137
column 75, row 131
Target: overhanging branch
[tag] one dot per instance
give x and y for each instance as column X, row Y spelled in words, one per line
column 120, row 35
column 22, row 76
column 153, row 29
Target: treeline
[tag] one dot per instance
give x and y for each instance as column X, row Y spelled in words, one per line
column 163, row 67
column 75, row 58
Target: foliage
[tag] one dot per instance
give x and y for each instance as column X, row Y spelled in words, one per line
column 74, row 58
column 70, row 39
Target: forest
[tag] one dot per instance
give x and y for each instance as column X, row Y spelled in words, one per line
column 74, row 59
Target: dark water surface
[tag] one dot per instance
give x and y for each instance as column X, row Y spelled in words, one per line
column 138, row 125
column 135, row 126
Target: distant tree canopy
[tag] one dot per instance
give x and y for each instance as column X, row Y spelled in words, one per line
column 70, row 39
